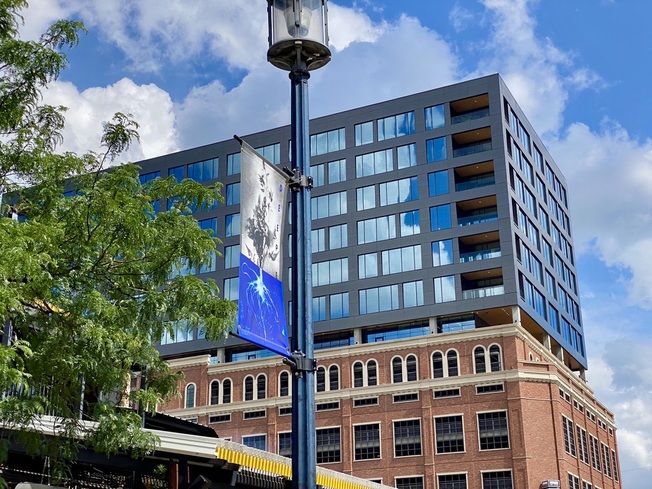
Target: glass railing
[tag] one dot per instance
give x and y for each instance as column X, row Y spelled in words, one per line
column 479, row 255
column 472, row 148
column 477, row 219
column 467, row 116
column 483, row 292
column 475, row 183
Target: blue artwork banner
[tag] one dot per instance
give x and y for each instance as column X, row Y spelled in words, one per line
column 263, row 204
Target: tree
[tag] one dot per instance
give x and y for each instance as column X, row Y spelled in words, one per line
column 87, row 273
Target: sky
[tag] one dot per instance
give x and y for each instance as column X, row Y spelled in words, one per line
column 195, row 72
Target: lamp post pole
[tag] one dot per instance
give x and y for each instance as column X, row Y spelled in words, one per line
column 298, row 42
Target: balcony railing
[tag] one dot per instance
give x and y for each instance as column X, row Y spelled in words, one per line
column 483, row 292
column 472, row 148
column 468, row 116
column 479, row 255
column 477, row 219
column 475, row 183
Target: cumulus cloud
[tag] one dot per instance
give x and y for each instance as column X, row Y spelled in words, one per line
column 150, row 106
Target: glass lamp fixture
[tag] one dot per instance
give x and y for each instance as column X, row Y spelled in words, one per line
column 298, row 34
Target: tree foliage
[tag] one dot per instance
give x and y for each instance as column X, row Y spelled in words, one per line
column 87, row 274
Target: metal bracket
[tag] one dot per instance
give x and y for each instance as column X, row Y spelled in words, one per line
column 300, row 363
column 297, row 180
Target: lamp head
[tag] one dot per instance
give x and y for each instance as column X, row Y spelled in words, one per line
column 298, row 34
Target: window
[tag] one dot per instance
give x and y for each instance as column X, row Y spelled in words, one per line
column 438, row 183
column 232, row 225
column 328, row 205
column 497, row 480
column 333, row 376
column 449, row 434
column 233, row 164
column 397, row 191
column 233, row 194
column 401, row 259
column 337, row 171
column 374, row 163
column 215, row 392
column 231, row 288
column 407, row 438
column 573, row 481
column 319, row 308
column 284, row 384
column 339, row 305
column 364, row 133
column 437, row 365
column 409, row 222
column 260, row 391
column 479, row 361
column 232, row 256
column 445, row 365
column 255, row 441
column 328, row 444
column 404, row 371
column 434, row 118
column 365, row 374
column 569, row 436
column 396, row 126
column 413, row 294
column 440, row 217
column 451, row 360
column 330, row 272
column 226, row 391
column 406, row 156
column 327, row 142
column 285, row 444
column 318, row 175
column 143, row 178
column 366, row 441
column 338, row 236
column 606, row 461
column 377, row 229
column 203, row 170
column 615, row 464
column 582, row 445
column 492, row 428
column 436, row 149
column 378, row 299
column 444, row 289
column 451, row 481
column 495, row 360
column 368, row 265
column 442, row 252
column 190, row 396
column 366, row 198
column 409, row 482
column 271, row 152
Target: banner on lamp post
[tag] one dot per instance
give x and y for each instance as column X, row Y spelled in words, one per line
column 263, row 204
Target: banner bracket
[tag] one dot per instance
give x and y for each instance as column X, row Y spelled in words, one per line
column 297, row 180
column 299, row 363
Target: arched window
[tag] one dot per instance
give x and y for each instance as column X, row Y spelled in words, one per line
column 437, row 365
column 451, row 360
column 284, row 384
column 321, row 379
column 261, row 387
column 495, row 360
column 358, row 380
column 372, row 372
column 480, row 362
column 190, row 396
column 226, row 391
column 333, row 378
column 397, row 370
column 249, row 388
column 411, row 367
column 215, row 392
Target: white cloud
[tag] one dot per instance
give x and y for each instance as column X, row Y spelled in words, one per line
column 150, row 106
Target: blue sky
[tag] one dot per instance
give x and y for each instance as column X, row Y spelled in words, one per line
column 195, row 72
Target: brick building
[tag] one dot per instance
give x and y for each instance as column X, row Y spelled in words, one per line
column 445, row 304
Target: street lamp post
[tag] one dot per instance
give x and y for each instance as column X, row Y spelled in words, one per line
column 298, row 43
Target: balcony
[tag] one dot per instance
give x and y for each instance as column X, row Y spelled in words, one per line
column 472, row 142
column 469, row 108
column 479, row 247
column 474, row 176
column 477, row 211
column 483, row 283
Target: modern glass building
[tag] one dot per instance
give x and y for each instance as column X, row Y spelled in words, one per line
column 432, row 213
